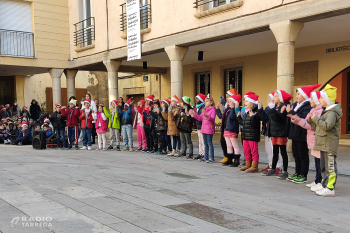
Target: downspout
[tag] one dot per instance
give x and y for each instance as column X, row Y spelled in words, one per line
column 107, row 26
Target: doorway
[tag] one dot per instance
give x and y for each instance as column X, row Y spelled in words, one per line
column 136, row 99
column 7, row 90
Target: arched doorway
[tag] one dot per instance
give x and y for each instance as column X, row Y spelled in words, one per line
column 342, row 82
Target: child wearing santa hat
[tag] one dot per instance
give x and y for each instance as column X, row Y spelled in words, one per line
column 86, row 124
column 126, row 121
column 138, row 125
column 231, row 132
column 298, row 134
column 277, row 131
column 72, row 114
column 198, row 108
column 173, row 111
column 148, row 122
column 113, row 124
column 222, row 113
column 159, row 125
column 264, row 115
column 327, row 139
column 316, row 109
column 3, row 113
column 25, row 135
column 250, row 122
column 101, row 125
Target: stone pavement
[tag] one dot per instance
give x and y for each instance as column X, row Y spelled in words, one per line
column 89, row 191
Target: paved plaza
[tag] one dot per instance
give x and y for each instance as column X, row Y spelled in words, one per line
column 88, row 191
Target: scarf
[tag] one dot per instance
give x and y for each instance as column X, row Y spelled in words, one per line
column 300, row 104
column 198, row 106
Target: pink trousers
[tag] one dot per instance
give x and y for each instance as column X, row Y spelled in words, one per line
column 141, row 137
column 232, row 142
column 200, row 143
column 251, row 151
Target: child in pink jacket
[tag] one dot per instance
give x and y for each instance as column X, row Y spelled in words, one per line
column 101, row 126
column 316, row 109
column 208, row 128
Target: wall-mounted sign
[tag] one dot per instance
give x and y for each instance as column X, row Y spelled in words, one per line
column 338, row 49
column 133, row 29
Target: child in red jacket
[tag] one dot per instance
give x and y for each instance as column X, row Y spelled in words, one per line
column 86, row 124
column 72, row 115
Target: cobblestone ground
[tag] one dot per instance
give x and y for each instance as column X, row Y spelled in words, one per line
column 88, row 191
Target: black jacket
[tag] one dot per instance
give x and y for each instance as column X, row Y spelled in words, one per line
column 35, row 111
column 199, row 112
column 162, row 124
column 184, row 123
column 251, row 126
column 277, row 123
column 296, row 132
column 232, row 124
column 58, row 122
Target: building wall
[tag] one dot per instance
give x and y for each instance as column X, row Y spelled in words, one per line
column 260, row 71
column 51, row 35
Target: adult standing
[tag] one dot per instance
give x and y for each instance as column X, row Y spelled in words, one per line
column 34, row 110
column 16, row 109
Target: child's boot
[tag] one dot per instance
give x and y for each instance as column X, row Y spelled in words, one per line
column 236, row 161
column 172, row 153
column 228, row 160
column 254, row 167
column 224, row 160
column 247, row 165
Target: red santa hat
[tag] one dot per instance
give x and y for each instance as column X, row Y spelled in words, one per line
column 176, row 99
column 236, row 99
column 87, row 101
column 58, row 104
column 115, row 102
column 24, row 123
column 3, row 107
column 150, row 98
column 316, row 95
column 252, row 98
column 3, row 119
column 271, row 95
column 284, row 96
column 25, row 107
column 143, row 102
column 201, row 97
column 248, row 93
column 46, row 120
column 232, row 92
column 306, row 91
column 128, row 102
column 166, row 101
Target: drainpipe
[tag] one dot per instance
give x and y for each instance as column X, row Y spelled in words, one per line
column 107, row 26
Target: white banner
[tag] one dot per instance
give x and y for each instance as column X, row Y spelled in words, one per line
column 133, row 29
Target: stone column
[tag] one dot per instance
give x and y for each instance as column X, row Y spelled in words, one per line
column 286, row 33
column 56, row 85
column 176, row 55
column 70, row 76
column 112, row 69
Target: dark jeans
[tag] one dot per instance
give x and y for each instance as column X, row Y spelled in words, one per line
column 208, row 146
column 165, row 140
column 156, row 140
column 176, row 142
column 276, row 149
column 93, row 132
column 24, row 142
column 223, row 144
column 60, row 135
column 318, row 177
column 86, row 137
column 72, row 135
column 301, row 156
column 149, row 138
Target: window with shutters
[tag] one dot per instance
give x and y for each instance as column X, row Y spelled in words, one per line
column 16, row 37
column 233, row 79
column 203, row 83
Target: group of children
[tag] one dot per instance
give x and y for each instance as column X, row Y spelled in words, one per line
column 165, row 127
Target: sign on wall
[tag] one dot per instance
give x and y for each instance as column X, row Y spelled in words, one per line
column 133, row 29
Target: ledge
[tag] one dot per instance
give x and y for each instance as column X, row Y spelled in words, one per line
column 143, row 31
column 85, row 48
column 229, row 6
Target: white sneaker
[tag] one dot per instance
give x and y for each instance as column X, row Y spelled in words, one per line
column 7, row 141
column 83, row 148
column 326, row 192
column 171, row 153
column 89, row 147
column 311, row 185
column 317, row 187
column 177, row 153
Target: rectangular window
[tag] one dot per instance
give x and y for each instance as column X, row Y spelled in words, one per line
column 203, row 83
column 216, row 3
column 233, row 79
